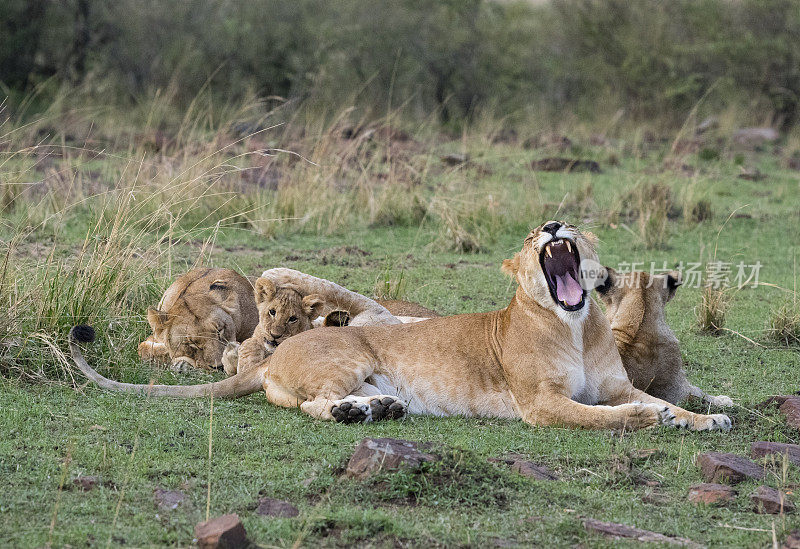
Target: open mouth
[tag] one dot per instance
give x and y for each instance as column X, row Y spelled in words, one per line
column 560, row 263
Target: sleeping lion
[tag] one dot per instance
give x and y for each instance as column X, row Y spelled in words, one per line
column 548, row 358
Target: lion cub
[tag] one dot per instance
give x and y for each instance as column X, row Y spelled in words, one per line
column 650, row 352
column 282, row 313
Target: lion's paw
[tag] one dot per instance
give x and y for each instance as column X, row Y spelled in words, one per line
column 714, row 422
column 720, row 401
column 351, row 410
column 640, row 415
column 387, row 407
column 230, row 358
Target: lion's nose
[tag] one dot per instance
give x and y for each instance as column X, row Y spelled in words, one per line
column 551, row 227
column 275, row 336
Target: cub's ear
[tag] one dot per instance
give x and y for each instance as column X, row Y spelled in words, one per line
column 264, row 290
column 674, row 280
column 510, row 266
column 158, row 320
column 312, row 305
column 337, row 318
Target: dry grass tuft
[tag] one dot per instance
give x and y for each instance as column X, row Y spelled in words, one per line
column 713, row 307
column 784, row 322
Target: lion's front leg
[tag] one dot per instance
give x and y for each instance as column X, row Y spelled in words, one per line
column 559, row 410
column 152, row 349
column 625, row 392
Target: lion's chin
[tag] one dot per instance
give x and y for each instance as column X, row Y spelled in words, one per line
column 560, row 262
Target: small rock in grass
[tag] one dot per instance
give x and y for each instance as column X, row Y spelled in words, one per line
column 775, row 399
column 569, row 165
column 753, row 138
column 728, row 468
column 168, row 500
column 792, row 541
column 710, row 494
column 533, row 470
column 618, row 531
column 791, row 409
column 763, row 448
column 373, row 455
column 771, row 501
column 454, row 159
column 269, row 507
column 86, row 483
column 225, row 532
column 752, row 175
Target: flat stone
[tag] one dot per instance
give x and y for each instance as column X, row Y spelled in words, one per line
column 763, row 448
column 533, row 470
column 771, row 501
column 270, row 507
column 556, row 164
column 776, row 400
column 373, row 455
column 619, row 531
column 791, row 409
column 167, row 500
column 225, row 532
column 729, row 468
column 710, row 493
column 454, row 159
column 792, row 541
column 87, row 483
column 755, row 137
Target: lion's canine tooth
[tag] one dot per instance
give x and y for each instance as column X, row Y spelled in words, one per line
column 568, row 246
column 547, row 249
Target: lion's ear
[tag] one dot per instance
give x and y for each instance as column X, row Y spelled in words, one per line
column 218, row 285
column 674, row 280
column 510, row 266
column 157, row 319
column 264, row 290
column 312, row 305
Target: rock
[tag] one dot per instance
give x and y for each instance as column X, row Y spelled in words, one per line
column 221, row 532
column 558, row 164
column 373, row 455
column 711, row 493
column 269, row 507
column 729, row 468
column 762, row 448
column 792, row 541
column 793, row 162
column 710, row 123
column 776, row 399
column 86, row 483
column 771, row 501
column 752, row 138
column 168, row 500
column 617, row 531
column 791, row 409
column 454, row 159
column 752, row 175
column 533, row 470
column 550, row 141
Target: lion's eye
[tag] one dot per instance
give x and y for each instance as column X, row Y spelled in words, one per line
column 292, row 319
column 272, row 313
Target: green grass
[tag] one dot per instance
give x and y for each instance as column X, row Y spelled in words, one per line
column 54, row 431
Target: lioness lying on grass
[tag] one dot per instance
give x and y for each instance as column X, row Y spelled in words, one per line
column 548, row 358
column 650, row 351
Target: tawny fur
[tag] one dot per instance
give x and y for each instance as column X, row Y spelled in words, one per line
column 650, row 352
column 198, row 315
column 532, row 360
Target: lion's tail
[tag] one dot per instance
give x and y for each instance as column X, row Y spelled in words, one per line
column 239, row 385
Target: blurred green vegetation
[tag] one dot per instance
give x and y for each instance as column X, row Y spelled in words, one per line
column 454, row 58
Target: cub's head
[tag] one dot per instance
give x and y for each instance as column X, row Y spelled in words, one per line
column 630, row 296
column 197, row 327
column 283, row 311
column 556, row 267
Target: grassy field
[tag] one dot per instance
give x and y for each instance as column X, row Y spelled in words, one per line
column 114, row 214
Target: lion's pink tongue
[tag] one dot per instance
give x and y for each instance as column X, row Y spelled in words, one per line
column 568, row 290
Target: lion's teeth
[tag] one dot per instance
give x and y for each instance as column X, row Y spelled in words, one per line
column 568, row 246
column 547, row 249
